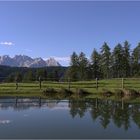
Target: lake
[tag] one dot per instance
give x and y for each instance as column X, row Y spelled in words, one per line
column 92, row 118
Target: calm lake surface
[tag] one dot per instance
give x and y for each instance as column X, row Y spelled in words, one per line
column 40, row 118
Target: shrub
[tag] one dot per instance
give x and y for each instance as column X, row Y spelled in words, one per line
column 65, row 91
column 49, row 91
column 82, row 92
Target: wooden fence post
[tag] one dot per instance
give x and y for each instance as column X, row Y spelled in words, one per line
column 122, row 83
column 40, row 82
column 69, row 83
column 96, row 83
column 16, row 85
column 122, row 104
column 16, row 80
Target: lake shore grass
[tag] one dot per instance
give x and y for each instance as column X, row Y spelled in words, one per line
column 105, row 88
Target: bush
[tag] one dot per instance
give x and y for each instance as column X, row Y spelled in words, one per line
column 107, row 93
column 65, row 91
column 49, row 91
column 127, row 92
column 82, row 92
column 130, row 92
column 119, row 92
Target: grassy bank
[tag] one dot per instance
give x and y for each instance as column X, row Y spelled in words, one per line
column 87, row 85
column 33, row 89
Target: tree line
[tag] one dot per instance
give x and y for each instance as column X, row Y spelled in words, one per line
column 21, row 74
column 118, row 63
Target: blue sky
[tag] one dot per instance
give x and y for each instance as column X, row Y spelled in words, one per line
column 56, row 29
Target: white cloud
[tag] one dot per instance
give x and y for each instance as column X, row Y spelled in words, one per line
column 6, row 43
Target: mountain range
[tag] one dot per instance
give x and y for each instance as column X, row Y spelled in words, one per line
column 26, row 61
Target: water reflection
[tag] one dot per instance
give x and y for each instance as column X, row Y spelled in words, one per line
column 5, row 121
column 121, row 114
column 107, row 111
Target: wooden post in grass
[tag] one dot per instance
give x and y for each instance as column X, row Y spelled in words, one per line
column 16, row 85
column 122, row 83
column 96, row 83
column 40, row 82
column 69, row 83
column 16, row 79
column 122, row 104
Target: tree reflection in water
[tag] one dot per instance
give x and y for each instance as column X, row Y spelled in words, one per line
column 105, row 111
column 77, row 107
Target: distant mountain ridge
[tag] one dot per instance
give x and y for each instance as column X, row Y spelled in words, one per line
column 26, row 61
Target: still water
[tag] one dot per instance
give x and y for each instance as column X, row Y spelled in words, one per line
column 40, row 118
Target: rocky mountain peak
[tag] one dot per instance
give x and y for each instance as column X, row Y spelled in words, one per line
column 52, row 62
column 26, row 61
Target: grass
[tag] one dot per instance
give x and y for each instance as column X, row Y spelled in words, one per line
column 32, row 89
column 88, row 85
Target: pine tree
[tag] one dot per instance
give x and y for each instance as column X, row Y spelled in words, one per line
column 28, row 76
column 105, row 60
column 83, row 63
column 41, row 72
column 117, row 57
column 56, row 75
column 18, row 77
column 136, row 61
column 95, row 64
column 73, row 73
column 126, row 59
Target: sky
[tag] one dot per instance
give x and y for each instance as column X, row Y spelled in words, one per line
column 58, row 28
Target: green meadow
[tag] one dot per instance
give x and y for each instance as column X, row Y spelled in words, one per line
column 33, row 88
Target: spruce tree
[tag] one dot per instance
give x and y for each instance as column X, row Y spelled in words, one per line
column 105, row 60
column 95, row 64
